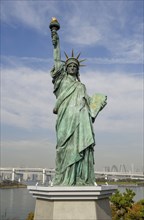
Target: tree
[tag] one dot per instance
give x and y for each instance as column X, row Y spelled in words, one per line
column 30, row 216
column 136, row 212
column 121, row 203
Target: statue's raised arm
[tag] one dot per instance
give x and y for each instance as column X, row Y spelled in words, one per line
column 55, row 26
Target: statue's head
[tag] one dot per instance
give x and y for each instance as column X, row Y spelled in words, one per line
column 72, row 69
column 72, row 60
column 72, row 65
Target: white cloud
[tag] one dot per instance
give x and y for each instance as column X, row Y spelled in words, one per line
column 86, row 34
column 124, row 111
column 28, row 99
column 30, row 13
column 20, row 61
column 128, row 50
column 27, row 102
column 110, row 24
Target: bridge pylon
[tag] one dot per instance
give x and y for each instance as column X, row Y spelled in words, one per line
column 13, row 174
column 43, row 176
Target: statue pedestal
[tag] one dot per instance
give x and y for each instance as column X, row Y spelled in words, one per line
column 72, row 203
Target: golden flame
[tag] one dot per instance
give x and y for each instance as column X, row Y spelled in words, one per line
column 54, row 19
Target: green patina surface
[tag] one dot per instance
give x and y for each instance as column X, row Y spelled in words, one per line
column 76, row 112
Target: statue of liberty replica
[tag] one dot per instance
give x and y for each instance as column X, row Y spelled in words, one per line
column 76, row 113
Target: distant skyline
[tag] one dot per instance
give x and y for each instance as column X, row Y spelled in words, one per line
column 109, row 34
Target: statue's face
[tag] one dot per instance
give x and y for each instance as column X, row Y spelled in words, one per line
column 72, row 69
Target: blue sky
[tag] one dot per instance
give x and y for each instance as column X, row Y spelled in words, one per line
column 109, row 34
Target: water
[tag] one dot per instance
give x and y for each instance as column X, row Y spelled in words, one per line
column 139, row 191
column 15, row 204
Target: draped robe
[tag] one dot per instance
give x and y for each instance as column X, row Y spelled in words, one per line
column 74, row 130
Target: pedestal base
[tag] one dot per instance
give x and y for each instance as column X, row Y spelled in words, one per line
column 72, row 203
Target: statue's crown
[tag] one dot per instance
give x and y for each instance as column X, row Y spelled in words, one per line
column 73, row 59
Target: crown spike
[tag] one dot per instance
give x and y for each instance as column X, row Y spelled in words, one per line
column 82, row 60
column 78, row 55
column 73, row 59
column 82, row 65
column 66, row 55
column 72, row 53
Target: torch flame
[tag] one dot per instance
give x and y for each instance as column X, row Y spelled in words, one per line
column 54, row 19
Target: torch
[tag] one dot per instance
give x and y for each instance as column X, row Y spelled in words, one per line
column 54, row 27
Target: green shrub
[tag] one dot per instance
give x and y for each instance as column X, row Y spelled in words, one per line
column 30, row 216
column 121, row 203
column 136, row 212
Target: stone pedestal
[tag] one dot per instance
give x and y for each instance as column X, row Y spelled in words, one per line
column 72, row 203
